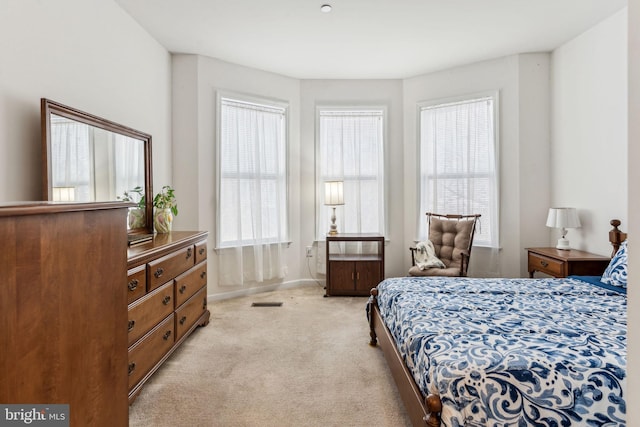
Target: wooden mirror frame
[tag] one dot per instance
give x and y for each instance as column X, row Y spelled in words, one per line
column 48, row 107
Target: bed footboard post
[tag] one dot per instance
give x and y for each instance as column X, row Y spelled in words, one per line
column 372, row 302
column 433, row 404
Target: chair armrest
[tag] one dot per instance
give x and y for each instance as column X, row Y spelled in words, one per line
column 465, row 255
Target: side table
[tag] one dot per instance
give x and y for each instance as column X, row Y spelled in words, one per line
column 563, row 263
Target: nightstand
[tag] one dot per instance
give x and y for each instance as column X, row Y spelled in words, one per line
column 563, row 263
column 355, row 263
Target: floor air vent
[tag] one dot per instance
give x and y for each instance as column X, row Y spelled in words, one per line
column 266, row 304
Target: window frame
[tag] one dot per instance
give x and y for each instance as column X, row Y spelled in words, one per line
column 495, row 96
column 319, row 189
column 260, row 101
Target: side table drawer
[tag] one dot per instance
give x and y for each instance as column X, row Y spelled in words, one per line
column 145, row 313
column 146, row 353
column 190, row 312
column 546, row 265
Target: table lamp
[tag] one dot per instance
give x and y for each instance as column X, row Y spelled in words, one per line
column 333, row 196
column 563, row 218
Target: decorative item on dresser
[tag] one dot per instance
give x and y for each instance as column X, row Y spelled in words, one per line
column 166, row 207
column 352, row 269
column 167, row 296
column 61, row 302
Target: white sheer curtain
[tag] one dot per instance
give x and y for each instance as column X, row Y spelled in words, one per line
column 128, row 164
column 252, row 171
column 458, row 173
column 71, row 152
column 351, row 149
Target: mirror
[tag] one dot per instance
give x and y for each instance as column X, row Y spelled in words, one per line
column 86, row 158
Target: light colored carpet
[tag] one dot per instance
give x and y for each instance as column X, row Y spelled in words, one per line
column 306, row 363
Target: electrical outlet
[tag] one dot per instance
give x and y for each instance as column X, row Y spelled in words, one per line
column 309, row 252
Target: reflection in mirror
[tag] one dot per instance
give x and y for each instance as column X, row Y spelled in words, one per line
column 90, row 159
column 90, row 164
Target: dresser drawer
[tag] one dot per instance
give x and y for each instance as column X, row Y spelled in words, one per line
column 136, row 283
column 190, row 282
column 149, row 350
column 190, row 312
column 546, row 265
column 147, row 311
column 163, row 269
column 201, row 251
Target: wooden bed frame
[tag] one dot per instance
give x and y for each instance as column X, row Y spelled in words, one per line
column 425, row 410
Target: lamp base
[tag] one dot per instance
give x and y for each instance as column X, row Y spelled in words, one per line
column 333, row 229
column 563, row 244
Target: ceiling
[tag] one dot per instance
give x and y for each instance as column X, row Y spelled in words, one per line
column 364, row 39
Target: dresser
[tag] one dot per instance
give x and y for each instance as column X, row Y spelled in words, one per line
column 61, row 300
column 355, row 263
column 166, row 287
column 563, row 263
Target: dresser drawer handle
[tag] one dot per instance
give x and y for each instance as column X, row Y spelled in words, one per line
column 166, row 335
column 182, row 289
column 544, row 263
column 132, row 323
column 132, row 367
column 183, row 319
column 189, row 252
column 201, row 251
column 203, row 274
column 204, row 303
column 166, row 300
column 133, row 284
column 159, row 272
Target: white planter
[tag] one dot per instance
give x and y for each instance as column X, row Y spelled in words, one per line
column 162, row 220
column 136, row 218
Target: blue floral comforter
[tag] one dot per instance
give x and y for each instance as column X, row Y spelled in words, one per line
column 512, row 352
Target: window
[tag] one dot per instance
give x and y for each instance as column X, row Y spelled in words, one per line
column 351, row 149
column 252, row 173
column 458, row 173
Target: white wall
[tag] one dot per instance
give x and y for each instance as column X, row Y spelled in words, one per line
column 387, row 93
column 196, row 79
column 589, row 131
column 88, row 54
column 633, row 308
column 523, row 84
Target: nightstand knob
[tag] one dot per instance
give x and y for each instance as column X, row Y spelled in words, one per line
column 544, row 263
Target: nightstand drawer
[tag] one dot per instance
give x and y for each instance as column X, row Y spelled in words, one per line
column 546, row 265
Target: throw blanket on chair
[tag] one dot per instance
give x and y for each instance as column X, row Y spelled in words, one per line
column 426, row 256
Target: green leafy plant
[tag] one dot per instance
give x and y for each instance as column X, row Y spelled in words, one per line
column 166, row 199
column 136, row 196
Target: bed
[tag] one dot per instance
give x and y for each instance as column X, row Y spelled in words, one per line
column 506, row 352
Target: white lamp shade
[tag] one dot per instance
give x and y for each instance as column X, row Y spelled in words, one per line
column 333, row 193
column 64, row 194
column 563, row 218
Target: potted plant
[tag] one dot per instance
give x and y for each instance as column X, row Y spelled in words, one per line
column 166, row 207
column 135, row 217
